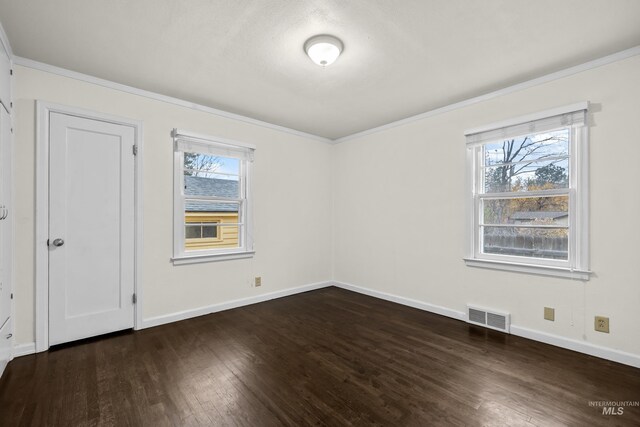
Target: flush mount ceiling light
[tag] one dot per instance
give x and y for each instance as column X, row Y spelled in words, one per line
column 323, row 49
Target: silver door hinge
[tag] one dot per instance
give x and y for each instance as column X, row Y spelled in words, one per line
column 135, row 150
column 134, row 298
column 11, row 295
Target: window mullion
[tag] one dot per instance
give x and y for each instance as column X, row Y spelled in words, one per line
column 525, row 194
column 212, row 199
column 541, row 226
column 520, row 162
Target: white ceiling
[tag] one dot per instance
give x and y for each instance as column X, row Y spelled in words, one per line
column 401, row 57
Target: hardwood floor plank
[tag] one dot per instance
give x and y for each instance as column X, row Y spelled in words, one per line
column 327, row 357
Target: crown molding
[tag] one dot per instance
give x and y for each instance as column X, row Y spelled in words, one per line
column 30, row 63
column 605, row 60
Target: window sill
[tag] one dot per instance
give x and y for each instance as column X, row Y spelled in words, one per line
column 542, row 270
column 196, row 259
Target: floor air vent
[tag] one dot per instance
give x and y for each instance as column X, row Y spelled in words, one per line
column 488, row 318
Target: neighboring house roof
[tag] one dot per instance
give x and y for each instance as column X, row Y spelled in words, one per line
column 200, row 186
column 537, row 215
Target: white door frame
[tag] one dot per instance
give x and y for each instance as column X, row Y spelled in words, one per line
column 43, row 111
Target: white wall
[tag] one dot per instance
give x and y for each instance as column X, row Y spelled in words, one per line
column 291, row 188
column 384, row 211
column 399, row 213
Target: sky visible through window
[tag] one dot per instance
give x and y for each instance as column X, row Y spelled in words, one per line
column 538, row 160
column 209, row 166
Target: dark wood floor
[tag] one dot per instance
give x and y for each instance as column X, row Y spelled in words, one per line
column 328, row 357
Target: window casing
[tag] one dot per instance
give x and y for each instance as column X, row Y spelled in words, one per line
column 212, row 198
column 528, row 190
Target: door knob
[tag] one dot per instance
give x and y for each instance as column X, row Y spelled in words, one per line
column 58, row 242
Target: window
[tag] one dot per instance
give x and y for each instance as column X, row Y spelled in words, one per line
column 201, row 230
column 212, row 203
column 528, row 194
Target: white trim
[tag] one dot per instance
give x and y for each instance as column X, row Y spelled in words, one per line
column 43, row 110
column 177, row 133
column 556, row 340
column 421, row 305
column 605, row 60
column 24, row 349
column 599, row 62
column 29, row 63
column 577, row 265
column 178, row 203
column 552, row 112
column 201, row 311
column 246, row 244
column 10, row 199
column 139, row 224
column 579, row 346
column 542, row 270
column 5, row 42
column 196, row 259
column 41, row 315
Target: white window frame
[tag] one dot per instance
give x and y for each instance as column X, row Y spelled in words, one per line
column 236, row 149
column 577, row 264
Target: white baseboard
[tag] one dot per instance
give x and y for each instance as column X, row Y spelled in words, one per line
column 30, row 348
column 421, row 305
column 558, row 341
column 24, row 349
column 201, row 311
column 579, row 346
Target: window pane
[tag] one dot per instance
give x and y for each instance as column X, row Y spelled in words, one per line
column 550, row 243
column 192, row 232
column 533, row 176
column 552, row 210
column 528, row 148
column 198, row 163
column 201, row 231
column 209, row 231
column 214, row 196
column 214, row 176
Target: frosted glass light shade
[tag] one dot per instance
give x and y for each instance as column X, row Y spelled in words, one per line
column 323, row 49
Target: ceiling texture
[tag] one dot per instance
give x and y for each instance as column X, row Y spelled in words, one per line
column 400, row 58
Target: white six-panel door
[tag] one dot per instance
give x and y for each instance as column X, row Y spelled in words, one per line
column 91, row 227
